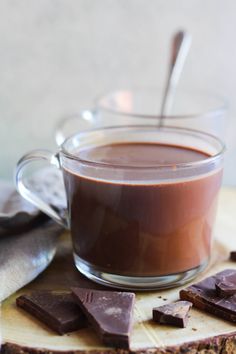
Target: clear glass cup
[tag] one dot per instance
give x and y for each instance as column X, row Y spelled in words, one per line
column 190, row 109
column 135, row 226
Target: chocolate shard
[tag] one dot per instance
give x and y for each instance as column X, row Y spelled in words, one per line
column 226, row 286
column 58, row 311
column 203, row 296
column 175, row 314
column 109, row 312
column 233, row 256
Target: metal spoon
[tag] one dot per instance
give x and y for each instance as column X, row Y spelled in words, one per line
column 180, row 46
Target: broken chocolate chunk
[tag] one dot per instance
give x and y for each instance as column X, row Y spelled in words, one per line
column 59, row 311
column 233, row 256
column 175, row 314
column 109, row 312
column 203, row 296
column 226, row 286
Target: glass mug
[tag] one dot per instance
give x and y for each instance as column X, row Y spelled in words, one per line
column 137, row 221
column 190, row 109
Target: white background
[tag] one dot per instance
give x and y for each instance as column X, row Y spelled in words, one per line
column 57, row 55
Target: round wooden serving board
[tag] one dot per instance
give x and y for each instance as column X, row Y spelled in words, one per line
column 21, row 333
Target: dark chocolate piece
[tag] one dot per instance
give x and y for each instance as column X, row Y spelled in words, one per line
column 233, row 256
column 59, row 311
column 109, row 312
column 175, row 314
column 226, row 286
column 203, row 296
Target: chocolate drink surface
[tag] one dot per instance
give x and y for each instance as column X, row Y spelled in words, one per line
column 142, row 228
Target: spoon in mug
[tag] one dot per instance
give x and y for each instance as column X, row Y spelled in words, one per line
column 180, row 46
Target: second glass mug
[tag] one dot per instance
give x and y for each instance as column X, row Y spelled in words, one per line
column 136, row 226
column 190, row 109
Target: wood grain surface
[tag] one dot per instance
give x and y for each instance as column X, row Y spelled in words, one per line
column 21, row 333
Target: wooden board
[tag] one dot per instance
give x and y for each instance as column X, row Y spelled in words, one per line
column 22, row 333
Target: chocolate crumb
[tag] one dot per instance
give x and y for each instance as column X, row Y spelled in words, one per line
column 165, row 299
column 194, row 329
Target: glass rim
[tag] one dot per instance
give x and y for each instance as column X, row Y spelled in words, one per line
column 163, row 167
column 221, row 108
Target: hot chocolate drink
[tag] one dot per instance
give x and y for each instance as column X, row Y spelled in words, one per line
column 137, row 227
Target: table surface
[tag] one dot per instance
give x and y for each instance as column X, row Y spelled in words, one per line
column 20, row 328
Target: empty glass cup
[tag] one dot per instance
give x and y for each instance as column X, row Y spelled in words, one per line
column 191, row 109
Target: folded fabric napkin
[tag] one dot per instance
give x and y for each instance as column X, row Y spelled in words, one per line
column 28, row 238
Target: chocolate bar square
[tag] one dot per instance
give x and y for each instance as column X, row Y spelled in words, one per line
column 203, row 295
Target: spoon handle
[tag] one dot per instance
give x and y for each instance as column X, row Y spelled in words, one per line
column 180, row 47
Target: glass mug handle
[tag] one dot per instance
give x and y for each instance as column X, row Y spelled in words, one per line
column 85, row 120
column 23, row 163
